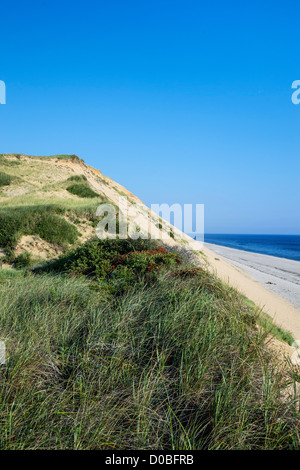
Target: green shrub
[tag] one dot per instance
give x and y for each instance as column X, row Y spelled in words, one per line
column 88, row 258
column 43, row 221
column 23, row 260
column 5, row 180
column 77, row 178
column 121, row 263
column 82, row 190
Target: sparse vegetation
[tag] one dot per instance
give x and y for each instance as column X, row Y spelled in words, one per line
column 7, row 162
column 57, row 157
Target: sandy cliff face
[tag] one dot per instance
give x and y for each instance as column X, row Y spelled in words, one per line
column 40, row 181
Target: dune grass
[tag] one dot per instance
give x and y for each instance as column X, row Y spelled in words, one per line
column 175, row 364
column 82, row 190
column 266, row 322
column 7, row 162
column 77, row 178
column 44, row 221
column 5, row 180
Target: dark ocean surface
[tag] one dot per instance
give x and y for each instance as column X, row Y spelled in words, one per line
column 283, row 246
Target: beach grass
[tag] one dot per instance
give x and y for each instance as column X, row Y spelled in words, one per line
column 177, row 363
column 44, row 221
column 267, row 323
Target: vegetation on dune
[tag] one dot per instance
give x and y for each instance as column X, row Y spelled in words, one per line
column 120, row 263
column 77, row 178
column 59, row 157
column 6, row 162
column 44, row 221
column 72, row 157
column 82, row 190
column 83, row 211
column 175, row 364
column 266, row 322
column 117, row 344
column 5, row 180
column 23, row 260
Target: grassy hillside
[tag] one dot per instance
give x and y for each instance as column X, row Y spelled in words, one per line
column 172, row 360
column 48, row 204
column 119, row 344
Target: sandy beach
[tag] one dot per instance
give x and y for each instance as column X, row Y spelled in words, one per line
column 272, row 283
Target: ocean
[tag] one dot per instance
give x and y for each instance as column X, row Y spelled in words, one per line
column 283, row 246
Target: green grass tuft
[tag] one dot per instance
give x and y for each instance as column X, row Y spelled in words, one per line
column 77, row 178
column 82, row 190
column 5, row 180
column 23, row 260
column 175, row 365
column 44, row 221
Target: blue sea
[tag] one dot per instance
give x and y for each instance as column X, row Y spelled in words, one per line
column 283, row 246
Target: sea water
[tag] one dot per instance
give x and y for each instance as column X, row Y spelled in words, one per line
column 283, row 246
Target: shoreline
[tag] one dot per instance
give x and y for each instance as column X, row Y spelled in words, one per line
column 272, row 283
column 251, row 251
column 280, row 275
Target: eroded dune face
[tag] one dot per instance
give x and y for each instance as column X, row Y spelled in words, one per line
column 37, row 182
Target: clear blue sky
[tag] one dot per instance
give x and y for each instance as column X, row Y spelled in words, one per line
column 179, row 101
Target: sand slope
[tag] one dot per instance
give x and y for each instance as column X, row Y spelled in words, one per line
column 260, row 266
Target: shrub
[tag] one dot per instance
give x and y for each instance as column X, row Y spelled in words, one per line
column 87, row 258
column 82, row 190
column 54, row 229
column 141, row 262
column 77, row 178
column 5, row 180
column 23, row 260
column 113, row 261
column 35, row 220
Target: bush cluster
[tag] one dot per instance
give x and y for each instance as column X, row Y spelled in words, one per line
column 23, row 260
column 77, row 178
column 43, row 221
column 82, row 190
column 5, row 180
column 119, row 263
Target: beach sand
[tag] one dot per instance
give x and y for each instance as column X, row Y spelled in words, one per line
column 272, row 283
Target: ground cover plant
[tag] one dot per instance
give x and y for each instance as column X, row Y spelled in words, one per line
column 77, row 178
column 5, row 180
column 175, row 362
column 82, row 190
column 44, row 221
column 120, row 263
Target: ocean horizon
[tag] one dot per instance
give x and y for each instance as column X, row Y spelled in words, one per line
column 281, row 246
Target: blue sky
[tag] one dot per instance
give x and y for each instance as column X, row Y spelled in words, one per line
column 179, row 101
